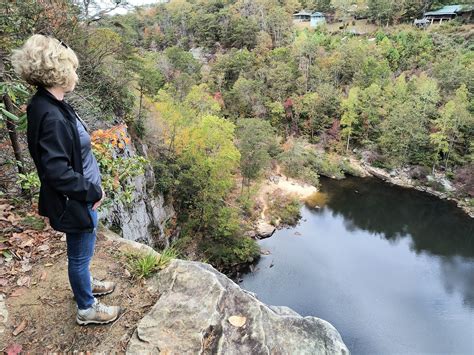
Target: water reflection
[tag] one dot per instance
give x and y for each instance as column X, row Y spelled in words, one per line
column 458, row 276
column 434, row 226
column 391, row 268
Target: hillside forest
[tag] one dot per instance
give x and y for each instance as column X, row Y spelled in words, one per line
column 221, row 91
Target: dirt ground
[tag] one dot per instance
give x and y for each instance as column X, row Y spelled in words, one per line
column 40, row 304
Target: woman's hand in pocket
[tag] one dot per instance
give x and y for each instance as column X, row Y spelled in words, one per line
column 98, row 203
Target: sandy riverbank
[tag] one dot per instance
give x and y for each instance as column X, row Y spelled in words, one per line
column 278, row 184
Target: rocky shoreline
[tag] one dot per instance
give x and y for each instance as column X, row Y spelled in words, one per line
column 400, row 177
column 262, row 228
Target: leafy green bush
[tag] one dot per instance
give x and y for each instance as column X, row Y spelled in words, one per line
column 298, row 162
column 29, row 183
column 230, row 252
column 328, row 165
column 285, row 209
column 166, row 170
column 247, row 201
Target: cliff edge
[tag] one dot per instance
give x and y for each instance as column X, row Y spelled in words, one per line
column 187, row 307
column 202, row 311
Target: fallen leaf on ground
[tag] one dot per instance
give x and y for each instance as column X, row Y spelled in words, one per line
column 237, row 321
column 43, row 276
column 23, row 281
column 26, row 243
column 21, row 327
column 43, row 247
column 14, row 349
column 25, row 266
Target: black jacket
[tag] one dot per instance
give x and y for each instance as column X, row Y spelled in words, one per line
column 53, row 142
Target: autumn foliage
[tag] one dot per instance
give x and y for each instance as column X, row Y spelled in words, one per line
column 117, row 164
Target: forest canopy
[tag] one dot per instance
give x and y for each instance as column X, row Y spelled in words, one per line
column 202, row 82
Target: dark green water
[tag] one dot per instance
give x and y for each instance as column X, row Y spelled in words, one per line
column 392, row 269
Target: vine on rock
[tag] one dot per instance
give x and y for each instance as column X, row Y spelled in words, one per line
column 117, row 164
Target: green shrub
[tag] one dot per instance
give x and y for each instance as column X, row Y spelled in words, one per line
column 230, row 252
column 347, row 168
column 285, row 209
column 436, row 185
column 30, row 183
column 328, row 165
column 166, row 256
column 471, row 202
column 298, row 162
column 166, row 170
column 144, row 265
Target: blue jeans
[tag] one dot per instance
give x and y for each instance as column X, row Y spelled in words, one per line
column 80, row 249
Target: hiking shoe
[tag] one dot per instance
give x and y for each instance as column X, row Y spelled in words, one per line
column 100, row 288
column 98, row 313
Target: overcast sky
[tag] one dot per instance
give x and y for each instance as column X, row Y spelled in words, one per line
column 135, row 3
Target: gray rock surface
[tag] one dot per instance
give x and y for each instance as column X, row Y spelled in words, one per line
column 264, row 230
column 143, row 220
column 192, row 317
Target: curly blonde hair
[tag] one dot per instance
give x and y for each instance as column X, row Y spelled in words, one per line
column 45, row 61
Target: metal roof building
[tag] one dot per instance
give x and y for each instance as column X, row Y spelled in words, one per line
column 302, row 16
column 315, row 18
column 450, row 10
column 445, row 14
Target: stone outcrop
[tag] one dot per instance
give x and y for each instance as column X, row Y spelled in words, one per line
column 264, row 229
column 145, row 217
column 201, row 311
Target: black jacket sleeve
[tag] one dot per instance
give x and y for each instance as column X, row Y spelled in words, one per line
column 55, row 145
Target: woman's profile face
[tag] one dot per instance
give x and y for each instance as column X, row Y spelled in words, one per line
column 73, row 84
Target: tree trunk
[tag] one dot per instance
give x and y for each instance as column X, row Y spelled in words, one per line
column 13, row 134
column 140, row 105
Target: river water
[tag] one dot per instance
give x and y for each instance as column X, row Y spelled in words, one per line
column 392, row 269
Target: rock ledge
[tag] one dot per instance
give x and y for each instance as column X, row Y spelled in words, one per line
column 193, row 311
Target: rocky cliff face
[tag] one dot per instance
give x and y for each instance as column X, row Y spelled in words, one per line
column 201, row 311
column 145, row 218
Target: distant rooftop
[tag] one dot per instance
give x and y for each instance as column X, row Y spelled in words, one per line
column 309, row 13
column 303, row 13
column 447, row 10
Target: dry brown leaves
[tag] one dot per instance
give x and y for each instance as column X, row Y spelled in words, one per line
column 25, row 238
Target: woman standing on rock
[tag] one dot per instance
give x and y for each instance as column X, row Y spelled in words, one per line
column 60, row 145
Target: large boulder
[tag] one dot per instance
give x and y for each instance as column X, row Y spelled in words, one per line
column 200, row 311
column 264, row 230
